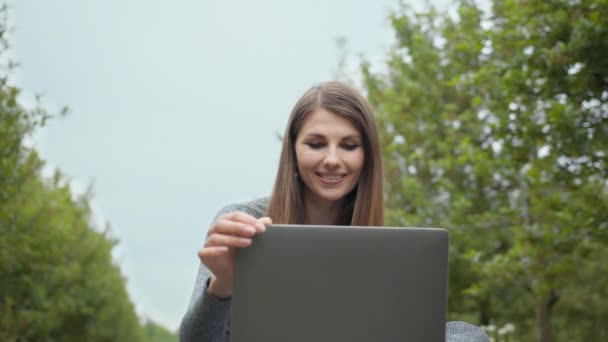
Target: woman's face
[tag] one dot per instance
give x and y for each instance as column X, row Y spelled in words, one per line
column 330, row 155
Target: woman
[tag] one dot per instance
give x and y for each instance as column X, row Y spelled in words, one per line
column 330, row 173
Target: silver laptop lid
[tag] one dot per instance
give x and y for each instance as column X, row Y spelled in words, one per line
column 335, row 283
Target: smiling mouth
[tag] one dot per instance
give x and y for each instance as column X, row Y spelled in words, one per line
column 331, row 179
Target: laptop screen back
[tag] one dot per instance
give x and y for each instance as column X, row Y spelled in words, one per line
column 335, row 283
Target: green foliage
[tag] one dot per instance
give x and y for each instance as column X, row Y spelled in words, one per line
column 495, row 126
column 158, row 333
column 58, row 280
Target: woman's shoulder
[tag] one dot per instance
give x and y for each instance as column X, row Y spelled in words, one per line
column 256, row 207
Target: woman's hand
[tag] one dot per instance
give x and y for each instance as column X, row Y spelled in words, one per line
column 233, row 230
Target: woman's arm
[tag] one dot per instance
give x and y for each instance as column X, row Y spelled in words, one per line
column 464, row 332
column 207, row 318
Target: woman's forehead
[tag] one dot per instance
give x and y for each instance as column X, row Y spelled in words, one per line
column 325, row 123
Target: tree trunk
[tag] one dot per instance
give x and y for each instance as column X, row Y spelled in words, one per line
column 484, row 311
column 543, row 320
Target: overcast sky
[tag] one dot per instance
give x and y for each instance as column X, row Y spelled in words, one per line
column 175, row 107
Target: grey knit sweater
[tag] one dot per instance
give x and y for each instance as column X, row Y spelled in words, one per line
column 208, row 318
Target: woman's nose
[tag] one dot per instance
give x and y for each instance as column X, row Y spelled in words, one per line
column 331, row 158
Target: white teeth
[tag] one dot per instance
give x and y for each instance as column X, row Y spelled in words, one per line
column 332, row 177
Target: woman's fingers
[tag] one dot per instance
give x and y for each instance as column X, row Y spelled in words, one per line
column 240, row 224
column 217, row 239
column 228, row 227
column 266, row 220
column 240, row 216
column 213, row 251
column 261, row 224
column 235, row 230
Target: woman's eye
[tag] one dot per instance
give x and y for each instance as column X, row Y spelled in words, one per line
column 350, row 147
column 315, row 145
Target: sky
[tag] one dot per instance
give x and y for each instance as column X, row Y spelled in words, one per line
column 175, row 108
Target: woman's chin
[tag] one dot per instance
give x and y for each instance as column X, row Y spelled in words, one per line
column 330, row 196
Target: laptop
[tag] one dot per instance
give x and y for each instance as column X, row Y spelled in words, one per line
column 302, row 283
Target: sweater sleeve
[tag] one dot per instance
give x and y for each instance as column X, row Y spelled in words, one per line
column 464, row 332
column 207, row 317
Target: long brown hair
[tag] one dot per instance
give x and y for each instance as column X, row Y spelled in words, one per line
column 364, row 206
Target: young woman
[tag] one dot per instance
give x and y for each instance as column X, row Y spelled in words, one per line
column 330, row 173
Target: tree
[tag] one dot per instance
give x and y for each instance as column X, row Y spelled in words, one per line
column 157, row 333
column 552, row 113
column 58, row 279
column 495, row 125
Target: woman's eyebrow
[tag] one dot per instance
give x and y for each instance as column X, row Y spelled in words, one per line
column 315, row 135
column 321, row 136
